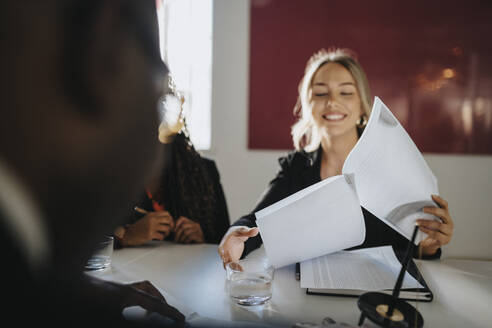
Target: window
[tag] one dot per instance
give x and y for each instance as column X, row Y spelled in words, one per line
column 185, row 28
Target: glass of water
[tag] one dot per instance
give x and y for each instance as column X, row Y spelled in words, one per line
column 250, row 281
column 101, row 259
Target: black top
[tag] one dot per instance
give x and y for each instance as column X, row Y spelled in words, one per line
column 213, row 232
column 299, row 170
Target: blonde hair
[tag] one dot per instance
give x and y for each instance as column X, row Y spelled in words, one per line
column 305, row 135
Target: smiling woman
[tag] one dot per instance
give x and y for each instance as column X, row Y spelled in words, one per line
column 333, row 86
column 332, row 108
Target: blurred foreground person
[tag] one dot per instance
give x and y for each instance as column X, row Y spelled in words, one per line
column 79, row 77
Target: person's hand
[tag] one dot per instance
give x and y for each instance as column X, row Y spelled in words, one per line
column 141, row 293
column 154, row 225
column 146, row 295
column 231, row 246
column 438, row 233
column 188, row 231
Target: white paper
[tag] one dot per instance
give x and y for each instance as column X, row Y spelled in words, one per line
column 369, row 269
column 392, row 178
column 323, row 218
column 384, row 172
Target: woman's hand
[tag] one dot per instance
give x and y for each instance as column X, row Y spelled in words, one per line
column 188, row 231
column 439, row 233
column 232, row 244
column 154, row 225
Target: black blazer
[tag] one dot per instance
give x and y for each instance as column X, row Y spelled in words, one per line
column 299, row 170
column 212, row 235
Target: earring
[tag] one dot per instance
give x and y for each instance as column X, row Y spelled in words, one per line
column 168, row 132
column 362, row 121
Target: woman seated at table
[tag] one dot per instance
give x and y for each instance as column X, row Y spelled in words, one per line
column 333, row 107
column 185, row 203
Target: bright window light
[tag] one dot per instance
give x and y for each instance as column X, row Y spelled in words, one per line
column 185, row 28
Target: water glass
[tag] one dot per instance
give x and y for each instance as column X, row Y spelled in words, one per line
column 250, row 281
column 101, row 259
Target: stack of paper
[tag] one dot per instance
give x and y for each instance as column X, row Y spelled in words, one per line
column 359, row 271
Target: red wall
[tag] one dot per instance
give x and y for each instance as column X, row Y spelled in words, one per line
column 430, row 63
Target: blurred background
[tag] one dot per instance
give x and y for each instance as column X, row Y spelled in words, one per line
column 238, row 62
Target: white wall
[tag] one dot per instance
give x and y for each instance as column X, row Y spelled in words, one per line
column 465, row 181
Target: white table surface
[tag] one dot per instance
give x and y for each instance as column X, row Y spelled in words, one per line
column 192, row 278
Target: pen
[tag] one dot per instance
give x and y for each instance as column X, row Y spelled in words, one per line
column 140, row 210
column 298, row 271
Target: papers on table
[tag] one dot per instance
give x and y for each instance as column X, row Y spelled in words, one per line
column 364, row 269
column 353, row 273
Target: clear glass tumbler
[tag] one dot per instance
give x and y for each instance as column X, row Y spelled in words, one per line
column 101, row 259
column 250, row 281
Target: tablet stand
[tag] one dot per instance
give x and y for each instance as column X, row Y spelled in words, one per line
column 388, row 310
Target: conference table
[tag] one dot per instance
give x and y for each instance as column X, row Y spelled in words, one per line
column 192, row 279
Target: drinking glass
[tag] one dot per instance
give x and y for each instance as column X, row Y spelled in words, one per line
column 101, row 259
column 250, row 281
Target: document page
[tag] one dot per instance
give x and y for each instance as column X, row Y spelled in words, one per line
column 323, row 218
column 368, row 269
column 392, row 179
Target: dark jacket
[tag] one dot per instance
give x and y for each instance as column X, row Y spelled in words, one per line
column 213, row 234
column 299, row 170
column 50, row 297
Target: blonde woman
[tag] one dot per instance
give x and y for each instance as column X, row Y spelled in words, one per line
column 333, row 106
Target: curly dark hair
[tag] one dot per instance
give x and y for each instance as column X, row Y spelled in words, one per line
column 187, row 189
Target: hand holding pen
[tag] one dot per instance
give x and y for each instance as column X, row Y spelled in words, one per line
column 153, row 226
column 185, row 230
